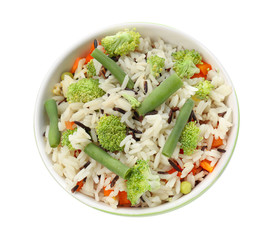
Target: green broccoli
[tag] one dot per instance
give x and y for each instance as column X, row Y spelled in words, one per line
column 91, row 69
column 122, row 43
column 185, row 63
column 133, row 101
column 185, row 69
column 139, row 177
column 84, row 90
column 204, row 89
column 65, row 138
column 111, row 131
column 190, row 137
column 140, row 180
column 156, row 65
column 188, row 54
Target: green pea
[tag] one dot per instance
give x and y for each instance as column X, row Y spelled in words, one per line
column 54, row 133
column 66, row 73
column 185, row 187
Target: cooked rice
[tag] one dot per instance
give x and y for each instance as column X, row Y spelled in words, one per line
column 155, row 128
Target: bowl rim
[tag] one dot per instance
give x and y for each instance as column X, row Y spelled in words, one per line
column 150, row 211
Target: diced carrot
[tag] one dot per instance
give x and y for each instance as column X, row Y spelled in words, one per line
column 107, row 192
column 75, row 66
column 204, row 67
column 171, row 171
column 217, row 142
column 196, row 170
column 205, row 164
column 89, row 56
column 199, row 75
column 80, row 185
column 69, row 125
column 123, row 200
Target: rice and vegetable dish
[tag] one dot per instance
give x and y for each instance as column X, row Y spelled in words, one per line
column 137, row 122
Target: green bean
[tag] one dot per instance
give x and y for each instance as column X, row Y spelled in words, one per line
column 181, row 121
column 105, row 159
column 66, row 73
column 54, row 133
column 160, row 94
column 109, row 64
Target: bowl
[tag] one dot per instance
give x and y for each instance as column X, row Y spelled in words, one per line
column 169, row 35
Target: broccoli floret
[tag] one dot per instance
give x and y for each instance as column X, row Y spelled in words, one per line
column 122, row 43
column 133, row 101
column 185, row 63
column 111, row 131
column 190, row 137
column 91, row 69
column 140, row 180
column 84, row 90
column 185, row 69
column 204, row 89
column 156, row 65
column 65, row 138
column 188, row 54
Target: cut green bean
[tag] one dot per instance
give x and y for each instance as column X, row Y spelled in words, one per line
column 160, row 94
column 182, row 119
column 109, row 64
column 105, row 159
column 54, row 133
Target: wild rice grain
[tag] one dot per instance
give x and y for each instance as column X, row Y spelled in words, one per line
column 86, row 164
column 135, row 130
column 145, row 86
column 173, row 164
column 119, row 110
column 95, row 43
column 174, row 109
column 170, row 116
column 113, row 182
column 221, row 114
column 221, row 150
column 87, row 129
column 64, row 100
column 203, row 148
column 154, row 112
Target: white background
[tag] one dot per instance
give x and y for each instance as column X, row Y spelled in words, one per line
column 35, row 33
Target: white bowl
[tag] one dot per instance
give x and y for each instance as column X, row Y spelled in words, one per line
column 169, row 35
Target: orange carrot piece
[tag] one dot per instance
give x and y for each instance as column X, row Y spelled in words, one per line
column 217, row 142
column 199, row 75
column 75, row 66
column 80, row 185
column 107, row 192
column 204, row 67
column 69, row 125
column 123, row 200
column 205, row 164
column 89, row 56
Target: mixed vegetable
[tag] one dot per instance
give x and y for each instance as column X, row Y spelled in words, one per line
column 111, row 131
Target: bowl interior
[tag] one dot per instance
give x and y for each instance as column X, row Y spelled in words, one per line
column 154, row 31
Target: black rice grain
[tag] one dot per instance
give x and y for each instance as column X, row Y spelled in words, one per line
column 113, row 182
column 170, row 116
column 173, row 164
column 154, row 112
column 87, row 129
column 119, row 110
column 145, row 86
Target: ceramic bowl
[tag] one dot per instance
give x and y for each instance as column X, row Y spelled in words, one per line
column 154, row 31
